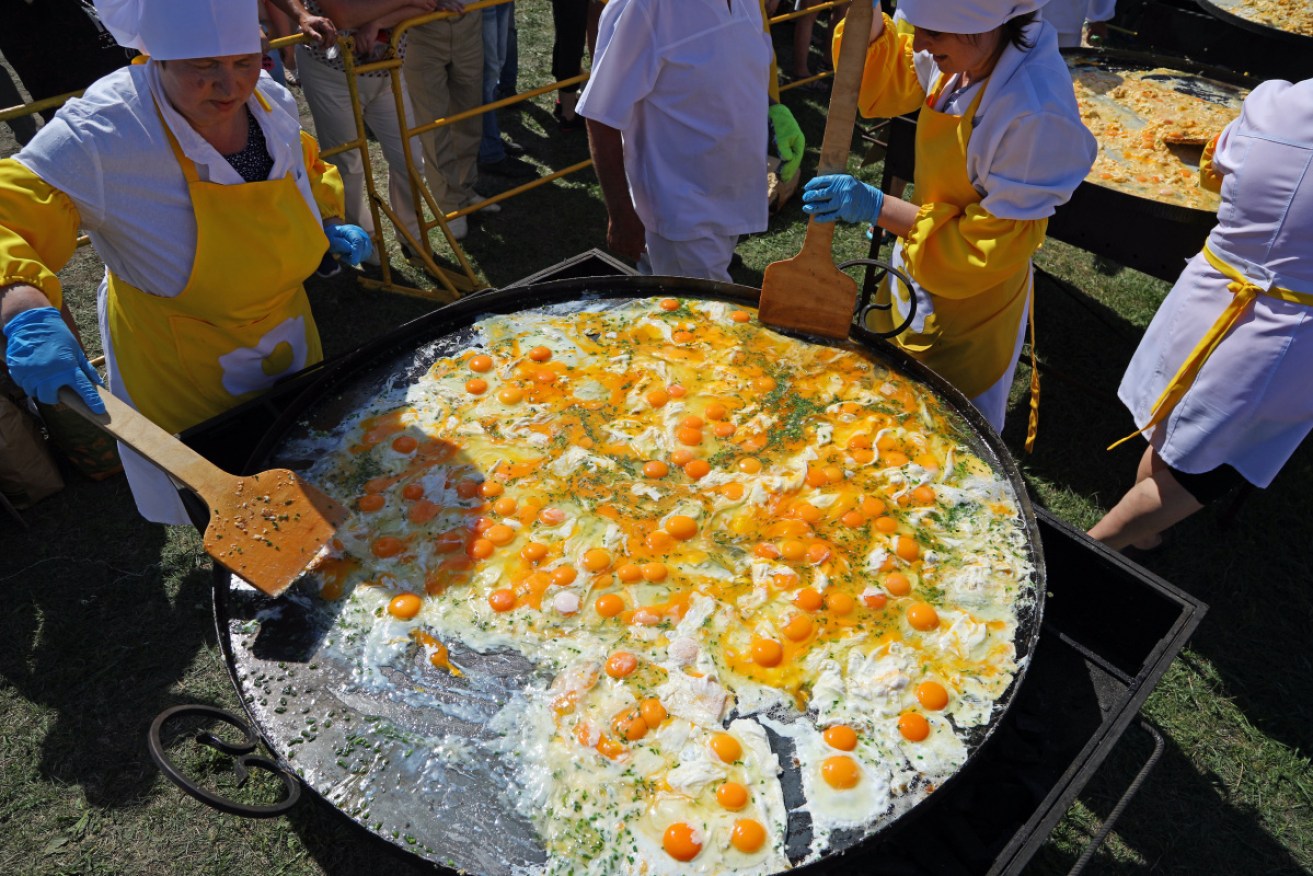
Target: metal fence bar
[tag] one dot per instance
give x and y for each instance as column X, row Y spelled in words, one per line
column 454, row 284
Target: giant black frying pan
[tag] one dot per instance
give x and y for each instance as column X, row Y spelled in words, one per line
column 1239, row 14
column 371, row 755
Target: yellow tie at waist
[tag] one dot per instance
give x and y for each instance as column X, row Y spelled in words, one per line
column 1244, row 291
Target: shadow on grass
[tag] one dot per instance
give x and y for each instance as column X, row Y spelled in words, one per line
column 1181, row 821
column 99, row 628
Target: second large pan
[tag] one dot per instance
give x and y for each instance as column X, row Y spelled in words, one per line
column 373, row 756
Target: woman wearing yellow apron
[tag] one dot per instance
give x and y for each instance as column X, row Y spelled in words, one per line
column 1219, row 383
column 999, row 145
column 209, row 207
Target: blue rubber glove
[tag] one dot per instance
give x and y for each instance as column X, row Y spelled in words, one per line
column 840, row 196
column 43, row 355
column 789, row 141
column 350, row 242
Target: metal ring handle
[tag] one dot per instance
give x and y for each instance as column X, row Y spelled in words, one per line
column 243, row 757
column 907, row 283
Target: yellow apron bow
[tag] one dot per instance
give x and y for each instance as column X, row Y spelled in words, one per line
column 1244, row 291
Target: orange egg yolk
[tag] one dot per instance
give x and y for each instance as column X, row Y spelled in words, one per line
column 405, row 606
column 914, row 727
column 841, row 772
column 621, row 664
column 767, row 652
column 799, row 627
column 841, row 736
column 732, row 796
column 609, row 605
column 932, row 695
column 681, row 842
column 596, row 559
column 922, row 616
column 748, row 835
column 681, row 527
column 726, row 747
column 652, row 711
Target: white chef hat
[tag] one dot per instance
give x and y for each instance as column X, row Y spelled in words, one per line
column 964, row 16
column 169, row 30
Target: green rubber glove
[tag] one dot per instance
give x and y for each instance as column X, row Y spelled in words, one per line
column 789, row 141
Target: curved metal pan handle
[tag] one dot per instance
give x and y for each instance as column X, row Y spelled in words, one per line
column 243, row 760
column 885, row 268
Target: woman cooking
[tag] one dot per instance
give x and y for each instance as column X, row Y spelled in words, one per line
column 207, row 203
column 999, row 145
column 1219, row 383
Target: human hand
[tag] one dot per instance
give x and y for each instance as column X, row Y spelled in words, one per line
column 789, row 141
column 318, row 28
column 43, row 355
column 364, row 37
column 350, row 242
column 840, row 196
column 625, row 235
column 877, row 20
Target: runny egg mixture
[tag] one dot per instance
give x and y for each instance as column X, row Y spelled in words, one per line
column 730, row 552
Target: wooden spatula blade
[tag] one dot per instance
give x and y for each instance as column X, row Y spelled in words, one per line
column 810, row 295
column 269, row 527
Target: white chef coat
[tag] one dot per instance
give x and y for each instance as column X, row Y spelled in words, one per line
column 1249, row 406
column 1068, row 17
column 108, row 152
column 1029, row 149
column 685, row 84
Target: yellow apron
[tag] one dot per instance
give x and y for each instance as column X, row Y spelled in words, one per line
column 967, row 341
column 1245, row 291
column 243, row 319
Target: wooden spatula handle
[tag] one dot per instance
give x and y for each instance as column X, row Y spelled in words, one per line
column 847, row 84
column 819, row 238
column 152, row 442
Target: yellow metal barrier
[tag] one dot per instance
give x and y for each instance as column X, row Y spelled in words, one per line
column 465, row 280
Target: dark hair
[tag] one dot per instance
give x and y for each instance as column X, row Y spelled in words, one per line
column 1014, row 30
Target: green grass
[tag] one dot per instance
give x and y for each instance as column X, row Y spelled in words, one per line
column 106, row 620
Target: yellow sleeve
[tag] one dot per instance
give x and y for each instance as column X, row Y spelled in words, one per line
column 1209, row 178
column 325, row 182
column 38, row 230
column 955, row 254
column 890, row 86
column 772, row 84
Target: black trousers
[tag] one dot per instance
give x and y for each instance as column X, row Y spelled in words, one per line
column 570, row 18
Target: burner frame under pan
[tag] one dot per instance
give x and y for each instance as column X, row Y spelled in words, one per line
column 1096, row 663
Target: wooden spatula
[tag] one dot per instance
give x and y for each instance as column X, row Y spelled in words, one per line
column 808, row 293
column 265, row 528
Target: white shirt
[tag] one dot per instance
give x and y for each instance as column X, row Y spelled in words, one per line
column 1068, row 17
column 1029, row 149
column 108, row 152
column 685, row 84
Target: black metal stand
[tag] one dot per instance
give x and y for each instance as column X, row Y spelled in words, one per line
column 243, row 760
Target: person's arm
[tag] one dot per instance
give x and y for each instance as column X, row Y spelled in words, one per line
column 317, row 27
column 350, row 14
column 625, row 234
column 367, row 33
column 890, row 84
column 896, row 216
column 38, row 234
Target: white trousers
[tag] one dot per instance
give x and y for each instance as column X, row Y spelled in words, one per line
column 703, row 258
column 329, row 98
